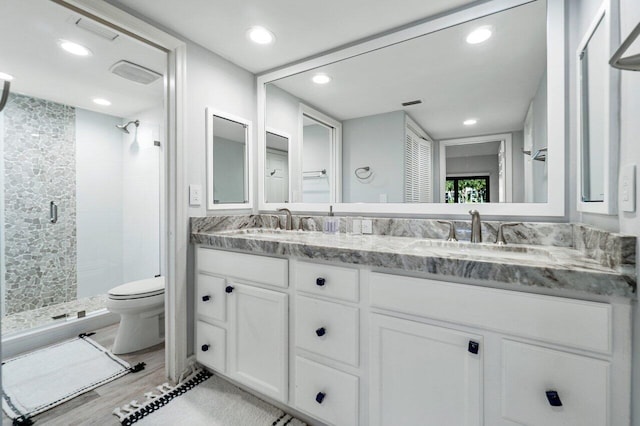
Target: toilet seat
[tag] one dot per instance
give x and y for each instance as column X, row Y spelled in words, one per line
column 137, row 289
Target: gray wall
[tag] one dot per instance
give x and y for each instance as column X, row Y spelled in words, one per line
column 539, row 168
column 517, row 145
column 316, row 156
column 39, row 167
column 376, row 141
column 228, row 169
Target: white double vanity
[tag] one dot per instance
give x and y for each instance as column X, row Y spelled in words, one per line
column 316, row 322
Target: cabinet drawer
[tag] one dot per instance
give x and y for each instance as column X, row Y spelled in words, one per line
column 326, row 393
column 328, row 329
column 547, row 318
column 327, row 280
column 210, row 297
column 259, row 269
column 581, row 383
column 211, row 346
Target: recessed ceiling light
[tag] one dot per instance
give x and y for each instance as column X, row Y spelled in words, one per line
column 260, row 35
column 321, row 79
column 74, row 48
column 479, row 35
column 5, row 76
column 101, row 101
column 470, row 122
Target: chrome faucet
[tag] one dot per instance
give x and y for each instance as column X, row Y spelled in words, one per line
column 452, row 229
column 288, row 226
column 476, row 228
column 500, row 237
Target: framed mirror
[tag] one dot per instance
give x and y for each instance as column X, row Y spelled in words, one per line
column 597, row 124
column 401, row 101
column 229, row 168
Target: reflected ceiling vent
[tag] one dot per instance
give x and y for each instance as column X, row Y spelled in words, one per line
column 409, row 103
column 134, row 72
column 97, row 29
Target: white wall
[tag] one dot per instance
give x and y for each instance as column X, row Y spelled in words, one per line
column 141, row 173
column 217, row 83
column 376, row 141
column 316, row 156
column 539, row 168
column 99, row 202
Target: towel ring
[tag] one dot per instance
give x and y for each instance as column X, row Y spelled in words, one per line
column 359, row 170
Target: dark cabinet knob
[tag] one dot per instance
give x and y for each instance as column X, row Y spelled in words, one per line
column 204, row 348
column 321, row 331
column 206, row 298
column 320, row 282
column 474, row 347
column 554, row 398
column 228, row 289
column 320, row 397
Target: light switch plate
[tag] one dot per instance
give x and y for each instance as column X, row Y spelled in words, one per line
column 367, row 226
column 195, row 195
column 628, row 188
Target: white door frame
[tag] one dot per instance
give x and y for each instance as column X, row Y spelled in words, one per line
column 174, row 218
column 506, row 137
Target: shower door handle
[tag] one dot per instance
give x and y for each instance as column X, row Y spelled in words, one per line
column 53, row 212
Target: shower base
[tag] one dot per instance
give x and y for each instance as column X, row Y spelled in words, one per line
column 27, row 320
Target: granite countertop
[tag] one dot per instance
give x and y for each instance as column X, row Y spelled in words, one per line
column 520, row 265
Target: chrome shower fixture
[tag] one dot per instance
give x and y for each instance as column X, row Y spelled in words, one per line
column 123, row 127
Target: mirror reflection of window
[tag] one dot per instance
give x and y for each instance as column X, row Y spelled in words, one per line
column 316, row 161
column 229, row 152
column 277, row 168
column 470, row 189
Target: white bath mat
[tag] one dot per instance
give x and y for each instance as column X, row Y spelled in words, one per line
column 203, row 399
column 42, row 379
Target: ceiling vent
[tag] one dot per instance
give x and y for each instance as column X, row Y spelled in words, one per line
column 97, row 29
column 134, row 72
column 409, row 103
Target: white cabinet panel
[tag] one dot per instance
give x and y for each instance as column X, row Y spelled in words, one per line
column 326, row 393
column 423, row 374
column 547, row 318
column 259, row 339
column 328, row 329
column 581, row 384
column 327, row 280
column 210, row 297
column 211, row 348
column 259, row 269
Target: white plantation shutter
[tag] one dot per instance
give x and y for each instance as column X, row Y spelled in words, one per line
column 418, row 165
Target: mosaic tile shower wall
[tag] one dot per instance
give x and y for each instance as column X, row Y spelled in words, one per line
column 39, row 167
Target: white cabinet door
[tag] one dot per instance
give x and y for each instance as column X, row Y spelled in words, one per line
column 546, row 387
column 259, row 339
column 423, row 374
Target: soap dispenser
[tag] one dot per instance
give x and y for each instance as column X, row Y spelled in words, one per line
column 331, row 223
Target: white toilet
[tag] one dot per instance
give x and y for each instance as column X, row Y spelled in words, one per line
column 141, row 308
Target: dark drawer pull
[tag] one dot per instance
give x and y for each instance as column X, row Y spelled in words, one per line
column 206, row 298
column 474, row 347
column 321, row 331
column 554, row 398
column 320, row 397
column 205, row 348
column 320, row 282
column 229, row 289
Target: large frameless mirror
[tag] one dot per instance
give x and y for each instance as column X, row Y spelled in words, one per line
column 228, row 158
column 405, row 111
column 598, row 93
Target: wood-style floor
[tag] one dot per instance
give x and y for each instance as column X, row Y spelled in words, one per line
column 96, row 407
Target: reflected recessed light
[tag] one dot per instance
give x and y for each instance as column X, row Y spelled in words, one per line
column 479, row 35
column 5, row 76
column 74, row 48
column 321, row 79
column 260, row 35
column 101, row 101
column 470, row 122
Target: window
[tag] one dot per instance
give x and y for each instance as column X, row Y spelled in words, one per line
column 467, row 189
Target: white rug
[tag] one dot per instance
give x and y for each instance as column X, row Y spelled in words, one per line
column 203, row 400
column 42, row 379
